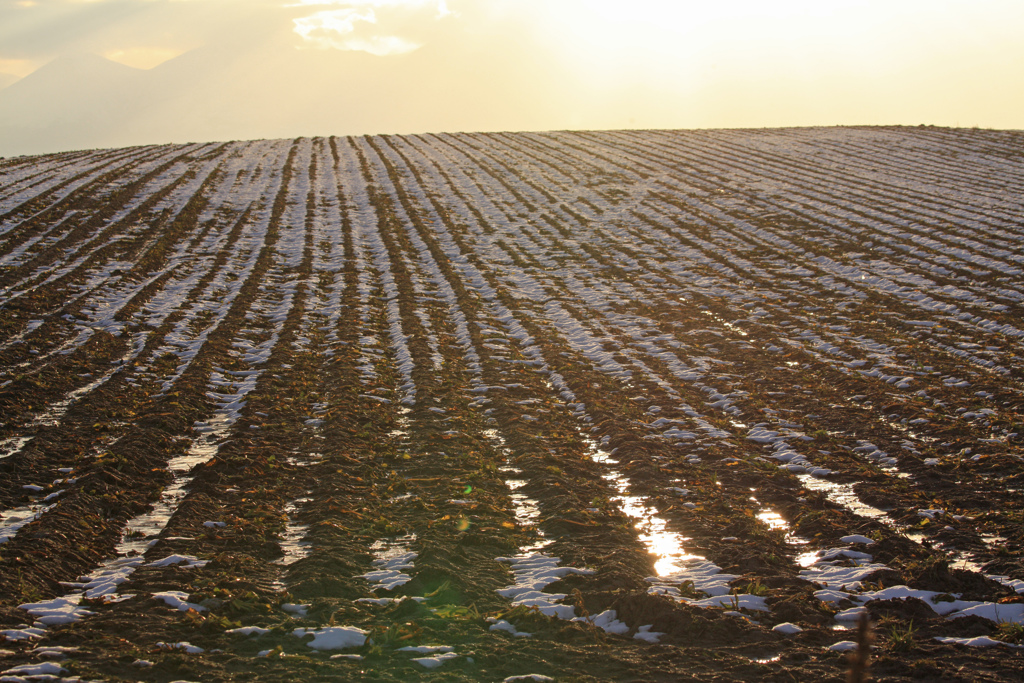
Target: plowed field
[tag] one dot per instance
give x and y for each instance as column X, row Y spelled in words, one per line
column 630, row 406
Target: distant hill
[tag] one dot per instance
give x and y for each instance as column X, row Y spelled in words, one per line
column 72, row 101
column 235, row 93
column 211, row 93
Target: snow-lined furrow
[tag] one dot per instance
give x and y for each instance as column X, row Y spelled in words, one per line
column 633, row 265
column 887, row 186
column 365, row 223
column 50, row 170
column 788, row 456
column 106, row 183
column 782, row 168
column 227, row 391
column 192, row 261
column 206, row 314
column 108, row 288
column 865, row 279
column 46, row 172
column 428, row 377
column 428, row 265
column 747, row 229
column 87, row 248
column 578, row 336
column 60, row 186
column 528, row 285
column 266, row 316
column 794, row 190
column 889, row 154
column 175, row 203
column 328, row 241
column 105, row 308
column 54, row 412
column 318, row 330
column 227, row 388
column 49, row 236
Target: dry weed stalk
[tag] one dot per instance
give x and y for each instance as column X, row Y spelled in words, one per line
column 861, row 658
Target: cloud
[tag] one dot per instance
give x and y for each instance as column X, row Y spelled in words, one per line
column 349, row 28
column 442, row 5
column 381, row 45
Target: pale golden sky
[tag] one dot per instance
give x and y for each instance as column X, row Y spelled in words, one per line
column 533, row 64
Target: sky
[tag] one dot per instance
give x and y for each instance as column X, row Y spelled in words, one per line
column 102, row 72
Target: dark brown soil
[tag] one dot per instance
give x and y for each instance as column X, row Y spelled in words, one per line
column 454, row 325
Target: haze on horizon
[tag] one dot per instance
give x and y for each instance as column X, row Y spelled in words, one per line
column 102, row 73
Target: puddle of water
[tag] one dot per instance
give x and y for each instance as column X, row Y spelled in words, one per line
column 12, row 445
column 143, row 530
column 666, row 545
column 841, row 494
column 307, row 460
column 293, row 544
column 773, row 519
column 527, row 510
column 720, row 320
column 653, row 531
column 807, row 559
column 11, row 521
column 775, row 522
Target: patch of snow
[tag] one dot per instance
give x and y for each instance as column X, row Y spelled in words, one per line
column 183, row 645
column 978, row 641
column 606, row 621
column 434, row 661
column 856, row 539
column 249, row 631
column 178, row 600
column 333, row 637
column 646, row 634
